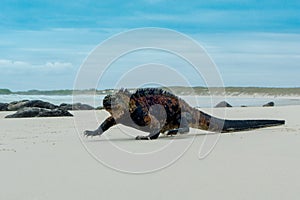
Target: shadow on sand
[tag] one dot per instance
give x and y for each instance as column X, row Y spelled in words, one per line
column 162, row 137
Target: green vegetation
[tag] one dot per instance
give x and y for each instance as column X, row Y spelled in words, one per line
column 50, row 92
column 5, row 91
column 234, row 91
column 263, row 91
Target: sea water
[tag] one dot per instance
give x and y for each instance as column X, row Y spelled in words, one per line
column 196, row 101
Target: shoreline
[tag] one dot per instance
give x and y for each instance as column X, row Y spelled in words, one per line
column 193, row 90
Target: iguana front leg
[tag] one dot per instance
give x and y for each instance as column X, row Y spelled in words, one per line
column 109, row 122
column 178, row 130
column 151, row 136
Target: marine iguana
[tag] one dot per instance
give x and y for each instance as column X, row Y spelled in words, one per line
column 158, row 111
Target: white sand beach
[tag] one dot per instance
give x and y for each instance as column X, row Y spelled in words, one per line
column 43, row 158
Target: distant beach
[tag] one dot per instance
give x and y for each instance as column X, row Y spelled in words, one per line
column 199, row 97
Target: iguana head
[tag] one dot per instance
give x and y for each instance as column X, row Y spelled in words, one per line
column 117, row 104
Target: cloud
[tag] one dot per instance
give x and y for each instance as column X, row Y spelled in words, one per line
column 57, row 66
column 8, row 63
column 22, row 67
column 22, row 75
column 52, row 63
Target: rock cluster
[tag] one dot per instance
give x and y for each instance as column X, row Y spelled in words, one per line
column 38, row 108
column 3, row 106
column 270, row 104
column 39, row 112
column 223, row 104
column 17, row 105
column 76, row 106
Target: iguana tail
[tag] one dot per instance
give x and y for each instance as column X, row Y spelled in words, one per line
column 207, row 122
column 241, row 125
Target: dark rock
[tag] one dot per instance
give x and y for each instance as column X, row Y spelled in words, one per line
column 100, row 108
column 13, row 106
column 65, row 106
column 54, row 113
column 40, row 104
column 223, row 104
column 76, row 106
column 3, row 106
column 39, row 112
column 79, row 106
column 16, row 105
column 270, row 104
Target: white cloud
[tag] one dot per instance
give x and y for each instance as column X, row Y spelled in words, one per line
column 19, row 67
column 4, row 62
column 57, row 66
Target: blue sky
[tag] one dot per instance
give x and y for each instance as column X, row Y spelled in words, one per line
column 253, row 43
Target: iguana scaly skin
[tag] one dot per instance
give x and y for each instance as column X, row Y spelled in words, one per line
column 157, row 111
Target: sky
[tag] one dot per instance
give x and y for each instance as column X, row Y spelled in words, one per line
column 43, row 43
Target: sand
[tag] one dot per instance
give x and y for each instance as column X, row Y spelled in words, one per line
column 44, row 158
